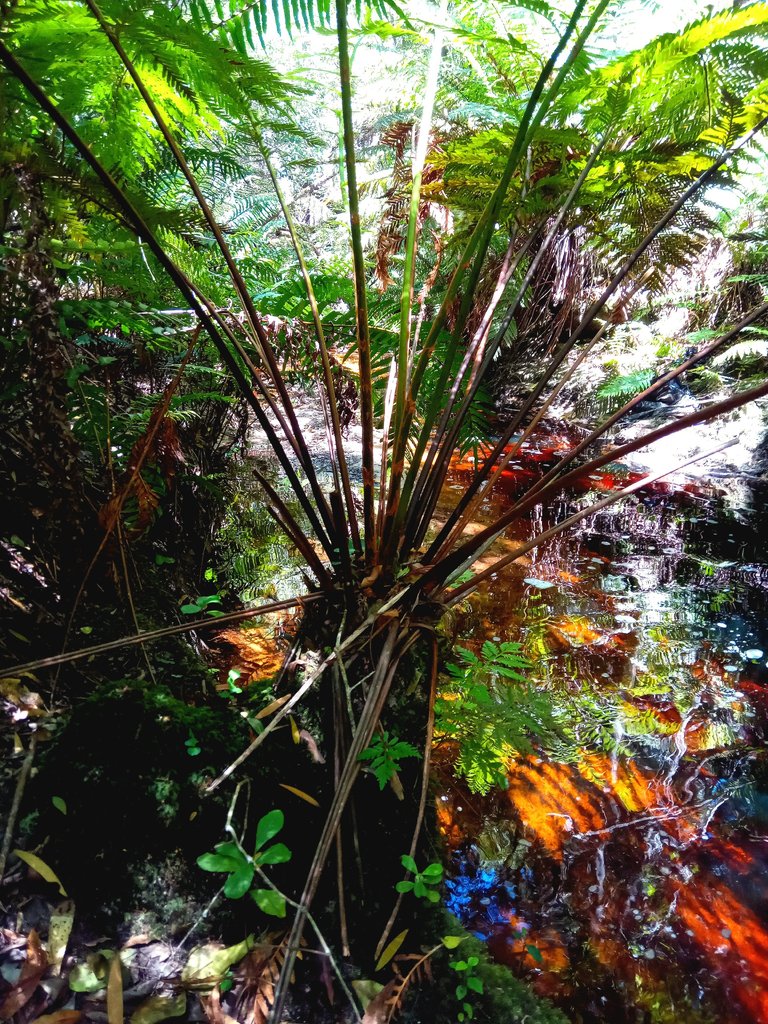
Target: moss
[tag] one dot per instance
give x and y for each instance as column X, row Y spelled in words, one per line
column 505, row 999
column 134, row 798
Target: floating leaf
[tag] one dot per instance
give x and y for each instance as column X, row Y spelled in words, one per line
column 300, row 793
column 41, row 868
column 391, row 949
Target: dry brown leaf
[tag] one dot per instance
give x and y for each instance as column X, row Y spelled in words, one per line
column 379, row 1010
column 300, row 793
column 60, row 1017
column 273, row 706
column 213, row 1010
column 31, row 972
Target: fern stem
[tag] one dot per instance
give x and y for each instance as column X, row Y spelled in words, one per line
column 361, row 298
column 472, row 257
column 411, row 242
column 338, row 456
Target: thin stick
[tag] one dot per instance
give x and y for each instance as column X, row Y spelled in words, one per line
column 18, row 795
column 157, row 634
column 303, row 689
column 382, row 680
column 426, row 765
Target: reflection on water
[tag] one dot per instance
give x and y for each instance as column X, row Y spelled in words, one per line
column 625, row 873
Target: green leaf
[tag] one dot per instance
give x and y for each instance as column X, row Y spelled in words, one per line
column 432, row 872
column 461, row 991
column 535, row 952
column 217, row 862
column 409, row 863
column 190, row 609
column 452, row 941
column 209, row 963
column 268, row 827
column 59, row 803
column 404, row 886
column 475, row 985
column 277, row 854
column 39, row 865
column 271, row 902
column 159, row 1008
column 391, row 949
column 239, row 882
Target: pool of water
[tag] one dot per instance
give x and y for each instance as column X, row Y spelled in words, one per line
column 626, row 876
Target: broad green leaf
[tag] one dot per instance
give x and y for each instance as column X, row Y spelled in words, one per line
column 391, row 949
column 277, row 854
column 409, row 863
column 432, row 872
column 269, row 901
column 217, row 862
column 239, row 882
column 59, row 803
column 452, row 941
column 268, row 827
column 404, row 886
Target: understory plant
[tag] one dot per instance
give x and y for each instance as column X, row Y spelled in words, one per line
column 581, row 136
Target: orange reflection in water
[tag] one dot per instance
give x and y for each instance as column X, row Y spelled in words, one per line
column 571, row 810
